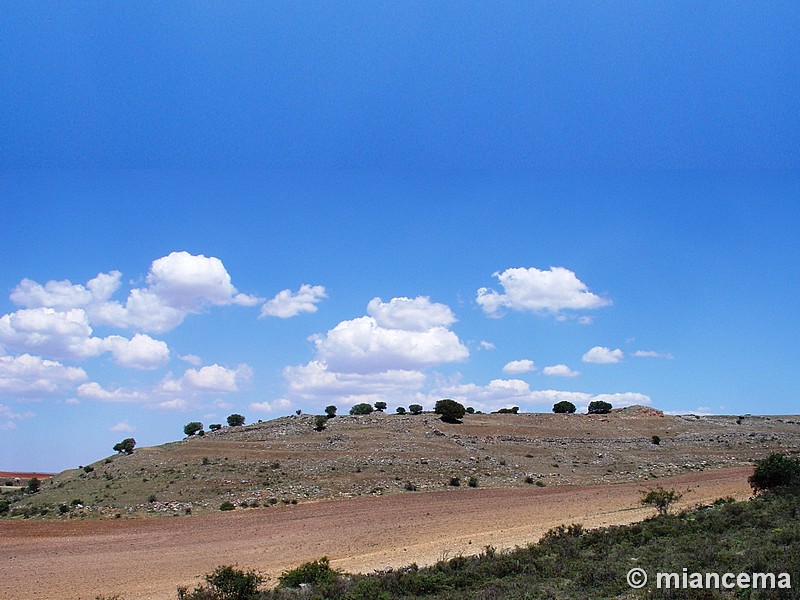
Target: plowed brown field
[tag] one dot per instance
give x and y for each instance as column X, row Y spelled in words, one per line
column 148, row 558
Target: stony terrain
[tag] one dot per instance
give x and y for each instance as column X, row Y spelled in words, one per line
column 286, row 461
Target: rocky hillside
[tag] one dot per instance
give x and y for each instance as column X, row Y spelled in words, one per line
column 287, row 461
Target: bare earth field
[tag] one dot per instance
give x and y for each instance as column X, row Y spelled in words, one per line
column 147, row 558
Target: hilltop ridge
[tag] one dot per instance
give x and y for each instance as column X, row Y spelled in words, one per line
column 285, row 460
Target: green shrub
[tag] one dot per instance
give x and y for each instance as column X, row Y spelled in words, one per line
column 656, row 440
column 125, row 446
column 319, row 422
column 33, row 485
column 599, row 407
column 225, row 583
column 564, row 407
column 410, row 487
column 380, row 406
column 400, row 410
column 88, row 469
column 529, row 479
column 317, row 573
column 513, row 410
column 470, row 410
column 215, row 426
column 661, row 499
column 192, row 428
column 4, row 506
column 235, row 420
column 227, row 506
column 450, row 410
column 330, row 411
column 455, row 481
column 473, row 482
column 415, row 409
column 361, row 409
column 777, row 470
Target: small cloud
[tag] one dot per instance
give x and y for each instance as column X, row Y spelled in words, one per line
column 123, row 427
column 72, row 401
column 487, row 345
column 603, row 356
column 174, row 404
column 519, row 366
column 653, row 354
column 274, row 406
column 287, row 304
column 560, row 371
column 192, row 359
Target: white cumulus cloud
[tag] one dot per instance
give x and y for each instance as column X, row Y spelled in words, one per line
column 560, row 371
column 95, row 391
column 28, row 375
column 216, row 378
column 542, row 292
column 287, row 304
column 410, row 314
column 603, row 356
column 281, row 404
column 58, row 334
column 519, row 366
column 140, row 352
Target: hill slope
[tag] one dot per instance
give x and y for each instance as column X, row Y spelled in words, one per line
column 286, row 460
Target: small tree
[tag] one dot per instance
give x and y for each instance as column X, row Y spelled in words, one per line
column 33, row 485
column 235, row 420
column 380, row 406
column 661, row 499
column 215, row 426
column 318, row 573
column 361, row 409
column 656, row 440
column 415, row 409
column 330, row 411
column 234, row 584
column 599, row 407
column 319, row 422
column 400, row 410
column 564, row 407
column 775, row 471
column 127, row 445
column 192, row 428
column 450, row 410
column 470, row 410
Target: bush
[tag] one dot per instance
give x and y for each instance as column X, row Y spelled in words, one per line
column 455, row 481
column 225, row 583
column 599, row 407
column 661, row 499
column 33, row 485
column 564, row 407
column 450, row 410
column 380, row 406
column 504, row 411
column 317, row 573
column 410, row 487
column 656, row 440
column 400, row 410
column 235, row 420
column 215, row 426
column 330, row 411
column 361, row 409
column 319, row 422
column 415, row 409
column 192, row 427
column 473, row 481
column 4, row 506
column 88, row 469
column 470, row 410
column 226, row 506
column 777, row 470
column 127, row 445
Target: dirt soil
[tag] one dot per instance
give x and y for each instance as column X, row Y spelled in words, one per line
column 149, row 558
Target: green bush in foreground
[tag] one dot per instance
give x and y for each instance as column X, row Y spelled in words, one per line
column 777, row 470
column 761, row 535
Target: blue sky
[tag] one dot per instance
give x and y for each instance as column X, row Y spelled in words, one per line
column 259, row 208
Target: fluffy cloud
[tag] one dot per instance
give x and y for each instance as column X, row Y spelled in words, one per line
column 363, row 346
column 280, row 404
column 499, row 393
column 177, row 285
column 316, row 382
column 603, row 356
column 287, row 304
column 410, row 314
column 95, row 391
column 519, row 366
column 49, row 332
column 541, row 292
column 215, row 378
column 64, row 295
column 140, row 352
column 560, row 371
column 28, row 375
